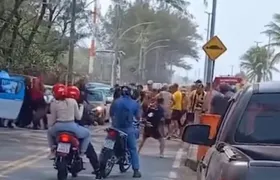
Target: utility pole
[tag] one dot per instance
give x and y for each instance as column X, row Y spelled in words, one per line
column 211, row 63
column 140, row 62
column 115, row 76
column 231, row 70
column 207, row 39
column 269, row 53
column 72, row 43
column 257, row 43
column 92, row 53
column 157, row 62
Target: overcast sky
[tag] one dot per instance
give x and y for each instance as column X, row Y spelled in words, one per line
column 238, row 24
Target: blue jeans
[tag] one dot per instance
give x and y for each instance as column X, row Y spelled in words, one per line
column 71, row 126
column 132, row 147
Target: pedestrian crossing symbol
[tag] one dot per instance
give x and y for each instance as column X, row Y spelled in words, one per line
column 214, row 48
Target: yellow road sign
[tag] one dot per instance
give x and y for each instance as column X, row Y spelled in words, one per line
column 214, row 48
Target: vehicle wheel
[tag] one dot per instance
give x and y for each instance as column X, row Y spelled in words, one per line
column 74, row 175
column 62, row 171
column 125, row 164
column 107, row 162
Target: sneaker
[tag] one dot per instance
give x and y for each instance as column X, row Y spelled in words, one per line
column 84, row 158
column 161, row 156
column 97, row 174
column 136, row 174
column 51, row 156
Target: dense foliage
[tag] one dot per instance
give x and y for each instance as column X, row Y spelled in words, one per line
column 166, row 37
column 34, row 34
column 35, row 38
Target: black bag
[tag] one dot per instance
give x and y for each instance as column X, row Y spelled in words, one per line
column 189, row 117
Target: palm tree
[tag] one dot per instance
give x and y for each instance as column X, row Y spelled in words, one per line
column 258, row 65
column 273, row 31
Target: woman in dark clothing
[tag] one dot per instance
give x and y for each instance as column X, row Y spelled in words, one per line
column 154, row 117
column 25, row 115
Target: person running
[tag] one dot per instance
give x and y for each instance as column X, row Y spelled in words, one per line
column 176, row 109
column 154, row 118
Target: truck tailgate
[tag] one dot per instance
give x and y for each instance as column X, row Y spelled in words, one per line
column 261, row 170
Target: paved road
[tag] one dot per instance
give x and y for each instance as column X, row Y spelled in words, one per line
column 23, row 157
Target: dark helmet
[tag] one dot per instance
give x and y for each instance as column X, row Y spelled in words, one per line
column 126, row 91
column 117, row 92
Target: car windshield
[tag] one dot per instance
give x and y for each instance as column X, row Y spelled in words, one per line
column 261, row 120
column 95, row 96
column 107, row 92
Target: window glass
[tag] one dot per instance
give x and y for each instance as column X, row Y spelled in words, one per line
column 260, row 122
column 9, row 86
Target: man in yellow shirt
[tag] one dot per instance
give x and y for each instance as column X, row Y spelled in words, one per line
column 176, row 109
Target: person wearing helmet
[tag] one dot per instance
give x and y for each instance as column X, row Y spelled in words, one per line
column 74, row 93
column 64, row 111
column 123, row 111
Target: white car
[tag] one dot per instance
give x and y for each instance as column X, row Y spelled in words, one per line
column 109, row 98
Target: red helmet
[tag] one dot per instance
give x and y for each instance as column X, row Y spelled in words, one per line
column 73, row 92
column 59, row 91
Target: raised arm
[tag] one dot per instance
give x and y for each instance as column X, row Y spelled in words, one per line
column 78, row 112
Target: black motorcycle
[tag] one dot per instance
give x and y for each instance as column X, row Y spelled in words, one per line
column 67, row 157
column 114, row 151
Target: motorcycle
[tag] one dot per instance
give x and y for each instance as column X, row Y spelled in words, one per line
column 114, row 151
column 67, row 157
column 98, row 115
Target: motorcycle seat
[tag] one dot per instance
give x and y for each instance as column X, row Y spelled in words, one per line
column 67, row 132
column 120, row 132
column 74, row 139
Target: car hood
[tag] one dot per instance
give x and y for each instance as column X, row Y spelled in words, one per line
column 96, row 103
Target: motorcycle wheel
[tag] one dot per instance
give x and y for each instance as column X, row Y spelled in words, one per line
column 62, row 171
column 125, row 164
column 107, row 162
column 74, row 174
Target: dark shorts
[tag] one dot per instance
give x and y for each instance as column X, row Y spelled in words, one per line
column 152, row 132
column 167, row 121
column 176, row 115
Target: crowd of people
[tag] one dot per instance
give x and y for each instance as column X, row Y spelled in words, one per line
column 170, row 108
column 164, row 111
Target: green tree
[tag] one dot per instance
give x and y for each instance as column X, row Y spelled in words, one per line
column 258, row 65
column 179, row 4
column 35, row 33
column 165, row 24
column 273, row 31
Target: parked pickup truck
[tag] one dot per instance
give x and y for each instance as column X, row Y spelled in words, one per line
column 247, row 142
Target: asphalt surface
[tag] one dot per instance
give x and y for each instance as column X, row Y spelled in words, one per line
column 23, row 156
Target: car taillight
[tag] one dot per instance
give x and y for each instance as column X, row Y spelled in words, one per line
column 112, row 133
column 64, row 138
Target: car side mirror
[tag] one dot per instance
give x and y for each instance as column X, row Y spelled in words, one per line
column 197, row 134
column 107, row 102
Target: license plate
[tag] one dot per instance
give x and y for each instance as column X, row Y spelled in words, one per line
column 63, row 147
column 109, row 144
